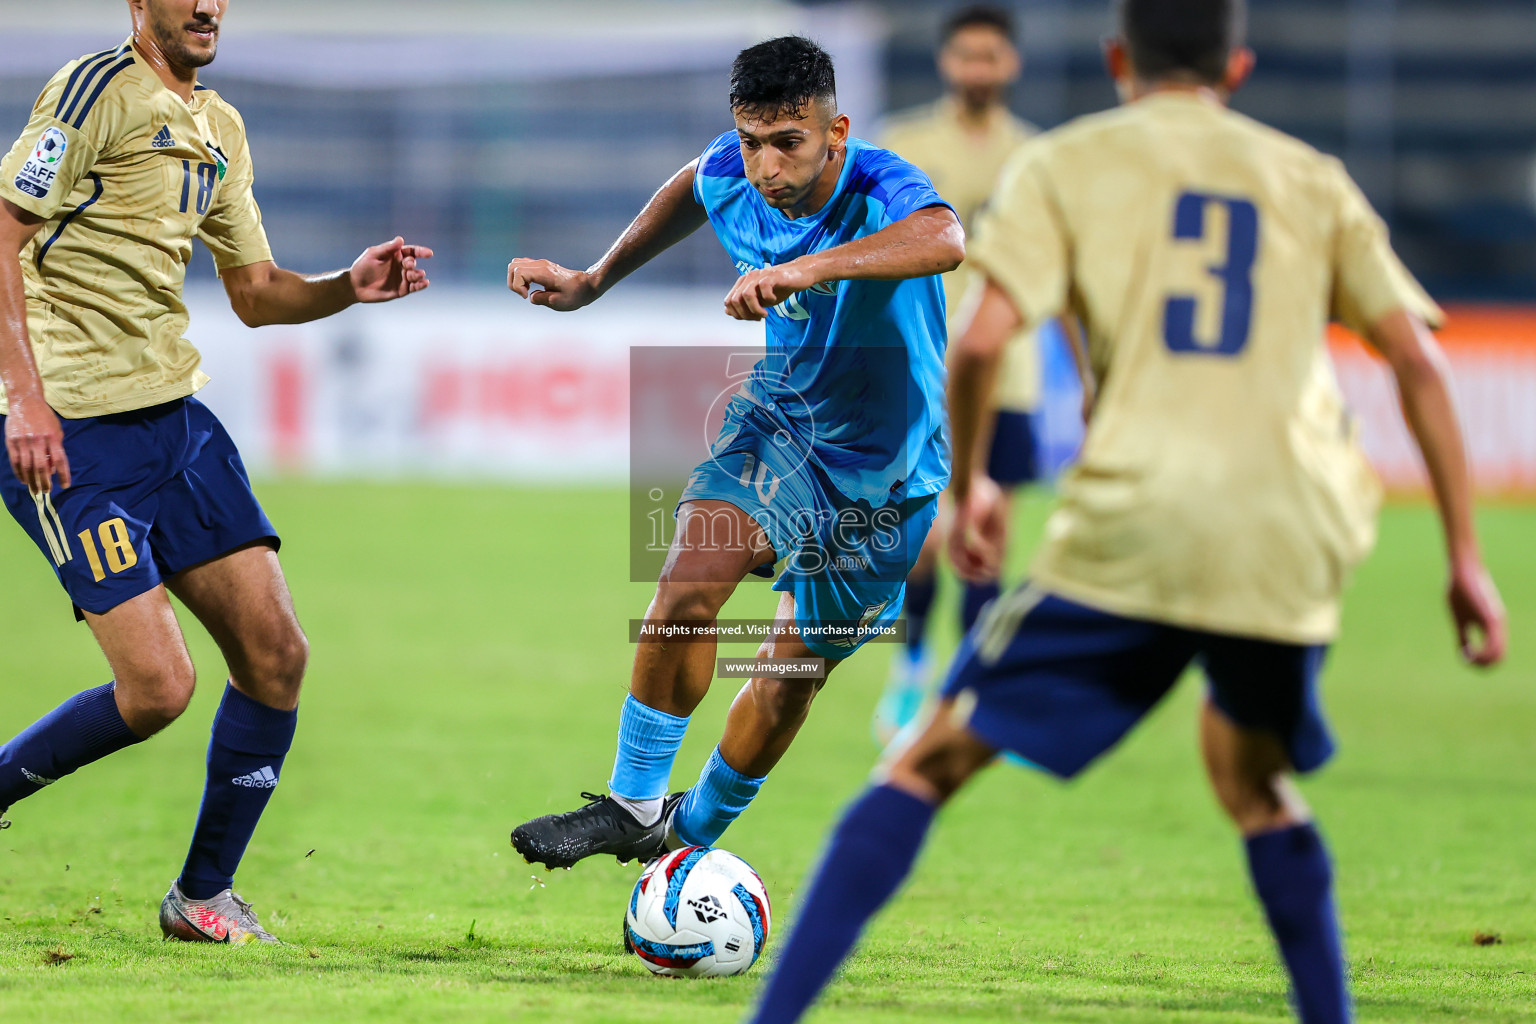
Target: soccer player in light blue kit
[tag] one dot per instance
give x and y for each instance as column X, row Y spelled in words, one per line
column 831, row 456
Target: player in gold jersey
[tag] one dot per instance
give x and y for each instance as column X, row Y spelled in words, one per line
column 962, row 142
column 1219, row 502
column 127, row 484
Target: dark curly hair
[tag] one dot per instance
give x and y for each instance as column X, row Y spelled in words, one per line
column 781, row 77
column 1189, row 37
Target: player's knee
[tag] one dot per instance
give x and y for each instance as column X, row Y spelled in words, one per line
column 939, row 761
column 785, row 701
column 153, row 698
column 293, row 658
column 284, row 659
column 1257, row 803
column 684, row 600
column 934, row 773
column 944, row 769
column 271, row 665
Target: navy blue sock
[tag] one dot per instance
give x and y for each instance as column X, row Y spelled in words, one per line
column 85, row 728
column 245, row 759
column 919, row 599
column 974, row 600
column 1294, row 879
column 871, row 853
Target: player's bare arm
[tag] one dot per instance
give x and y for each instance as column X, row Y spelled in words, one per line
column 264, row 293
column 977, row 532
column 33, row 439
column 1423, row 384
column 928, row 241
column 671, row 216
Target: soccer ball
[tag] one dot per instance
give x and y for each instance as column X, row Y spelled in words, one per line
column 697, row 912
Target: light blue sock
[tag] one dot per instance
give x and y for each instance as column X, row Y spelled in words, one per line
column 648, row 741
column 716, row 800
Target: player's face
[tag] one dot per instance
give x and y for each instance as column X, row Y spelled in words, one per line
column 786, row 159
column 978, row 64
column 187, row 30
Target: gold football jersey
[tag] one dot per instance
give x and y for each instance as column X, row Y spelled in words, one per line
column 964, row 168
column 125, row 174
column 1220, row 486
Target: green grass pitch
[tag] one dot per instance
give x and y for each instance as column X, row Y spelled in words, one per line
column 469, row 658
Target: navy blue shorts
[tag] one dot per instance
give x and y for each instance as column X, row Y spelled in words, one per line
column 1059, row 683
column 1014, row 457
column 155, row 491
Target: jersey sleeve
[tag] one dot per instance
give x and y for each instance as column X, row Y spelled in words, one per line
column 901, row 186
column 71, row 127
column 1369, row 281
column 1021, row 241
column 232, row 231
column 718, row 165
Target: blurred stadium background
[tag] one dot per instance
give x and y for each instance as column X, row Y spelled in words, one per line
column 498, row 128
column 468, row 655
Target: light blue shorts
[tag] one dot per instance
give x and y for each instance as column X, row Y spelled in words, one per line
column 845, row 561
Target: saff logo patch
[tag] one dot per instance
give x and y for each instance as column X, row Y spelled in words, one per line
column 50, row 148
column 37, row 175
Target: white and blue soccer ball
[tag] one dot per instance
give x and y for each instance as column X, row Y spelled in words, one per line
column 698, row 912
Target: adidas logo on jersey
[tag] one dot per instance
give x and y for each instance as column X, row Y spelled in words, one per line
column 162, row 139
column 266, row 778
column 36, row 779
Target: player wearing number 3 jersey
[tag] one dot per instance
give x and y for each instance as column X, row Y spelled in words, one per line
column 127, row 484
column 1219, row 502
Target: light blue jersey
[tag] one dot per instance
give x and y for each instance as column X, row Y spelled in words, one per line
column 855, row 369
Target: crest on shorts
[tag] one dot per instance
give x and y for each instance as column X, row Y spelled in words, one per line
column 872, row 612
column 42, row 167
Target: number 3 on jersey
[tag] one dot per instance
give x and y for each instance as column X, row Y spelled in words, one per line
column 1235, row 275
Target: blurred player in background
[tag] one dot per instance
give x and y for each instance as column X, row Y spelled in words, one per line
column 127, row 484
column 831, row 456
column 1220, row 500
column 961, row 142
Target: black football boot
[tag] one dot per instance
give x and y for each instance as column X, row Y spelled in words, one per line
column 602, row 826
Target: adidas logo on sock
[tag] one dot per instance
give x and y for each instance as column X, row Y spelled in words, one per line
column 266, row 778
column 36, row 779
column 162, row 139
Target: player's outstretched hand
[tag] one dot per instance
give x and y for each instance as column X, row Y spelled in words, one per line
column 1481, row 627
column 978, row 534
column 389, row 271
column 758, row 291
column 35, row 443
column 544, row 283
